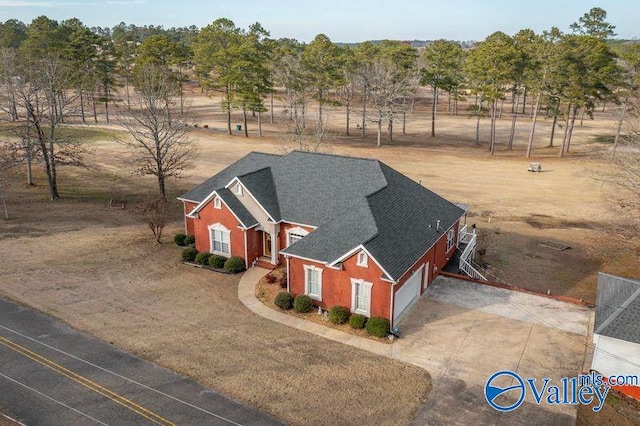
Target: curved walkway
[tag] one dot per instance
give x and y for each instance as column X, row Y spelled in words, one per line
column 461, row 334
column 247, row 295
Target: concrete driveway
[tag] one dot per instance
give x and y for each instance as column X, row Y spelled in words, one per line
column 464, row 332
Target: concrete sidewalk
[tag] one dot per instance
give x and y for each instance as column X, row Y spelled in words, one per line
column 462, row 333
column 247, row 295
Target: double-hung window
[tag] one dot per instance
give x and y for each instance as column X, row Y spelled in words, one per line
column 313, row 282
column 295, row 234
column 450, row 238
column 220, row 240
column 361, row 297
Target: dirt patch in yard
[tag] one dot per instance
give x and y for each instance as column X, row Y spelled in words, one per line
column 618, row 410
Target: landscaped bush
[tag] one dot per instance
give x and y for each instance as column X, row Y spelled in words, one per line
column 283, row 282
column 338, row 314
column 202, row 258
column 271, row 278
column 357, row 321
column 189, row 254
column 217, row 261
column 190, row 240
column 234, row 264
column 302, row 304
column 378, row 327
column 284, row 300
column 179, row 239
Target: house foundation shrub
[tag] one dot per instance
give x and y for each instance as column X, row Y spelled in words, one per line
column 234, row 264
column 378, row 327
column 202, row 258
column 302, row 304
column 189, row 254
column 190, row 240
column 338, row 314
column 271, row 278
column 357, row 321
column 284, row 300
column 179, row 239
column 217, row 261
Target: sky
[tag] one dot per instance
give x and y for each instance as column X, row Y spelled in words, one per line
column 342, row 21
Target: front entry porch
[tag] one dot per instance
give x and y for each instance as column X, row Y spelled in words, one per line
column 269, row 258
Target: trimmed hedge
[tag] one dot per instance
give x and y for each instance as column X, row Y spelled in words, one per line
column 338, row 314
column 234, row 264
column 202, row 258
column 179, row 239
column 357, row 321
column 302, row 304
column 284, row 300
column 378, row 327
column 217, row 261
column 189, row 254
column 189, row 240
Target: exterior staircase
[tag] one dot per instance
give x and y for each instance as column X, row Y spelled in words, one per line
column 265, row 262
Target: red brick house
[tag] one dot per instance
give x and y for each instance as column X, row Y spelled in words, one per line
column 350, row 231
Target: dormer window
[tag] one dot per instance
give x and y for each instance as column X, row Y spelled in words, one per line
column 363, row 259
column 217, row 203
column 238, row 189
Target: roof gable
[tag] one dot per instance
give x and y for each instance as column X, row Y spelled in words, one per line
column 350, row 201
column 618, row 308
column 407, row 215
column 260, row 184
column 249, row 163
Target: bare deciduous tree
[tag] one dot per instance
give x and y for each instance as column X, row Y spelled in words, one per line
column 156, row 212
column 159, row 137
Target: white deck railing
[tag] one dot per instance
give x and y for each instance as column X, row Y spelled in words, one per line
column 466, row 258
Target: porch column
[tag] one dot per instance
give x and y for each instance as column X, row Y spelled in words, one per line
column 274, row 244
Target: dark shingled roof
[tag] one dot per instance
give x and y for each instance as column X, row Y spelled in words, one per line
column 260, row 184
column 618, row 308
column 247, row 164
column 351, row 201
column 246, row 218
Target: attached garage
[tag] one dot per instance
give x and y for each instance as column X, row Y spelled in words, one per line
column 407, row 294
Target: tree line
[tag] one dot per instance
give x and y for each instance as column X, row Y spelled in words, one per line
column 54, row 72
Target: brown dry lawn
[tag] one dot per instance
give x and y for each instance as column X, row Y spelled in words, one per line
column 97, row 269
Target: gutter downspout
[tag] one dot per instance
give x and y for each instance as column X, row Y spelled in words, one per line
column 391, row 306
column 246, row 260
column 287, row 259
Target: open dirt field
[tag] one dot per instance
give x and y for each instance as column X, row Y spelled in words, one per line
column 98, row 270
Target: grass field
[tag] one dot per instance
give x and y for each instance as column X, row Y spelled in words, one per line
column 97, row 268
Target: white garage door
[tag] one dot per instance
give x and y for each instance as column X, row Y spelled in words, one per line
column 409, row 292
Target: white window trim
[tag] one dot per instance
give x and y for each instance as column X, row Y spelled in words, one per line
column 308, row 268
column 451, row 235
column 367, row 284
column 217, row 203
column 365, row 259
column 219, row 227
column 295, row 231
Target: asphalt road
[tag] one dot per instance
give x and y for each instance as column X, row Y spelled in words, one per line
column 51, row 374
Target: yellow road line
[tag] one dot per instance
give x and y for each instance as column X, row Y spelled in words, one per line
column 118, row 399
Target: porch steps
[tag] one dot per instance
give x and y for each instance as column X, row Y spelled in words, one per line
column 265, row 263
